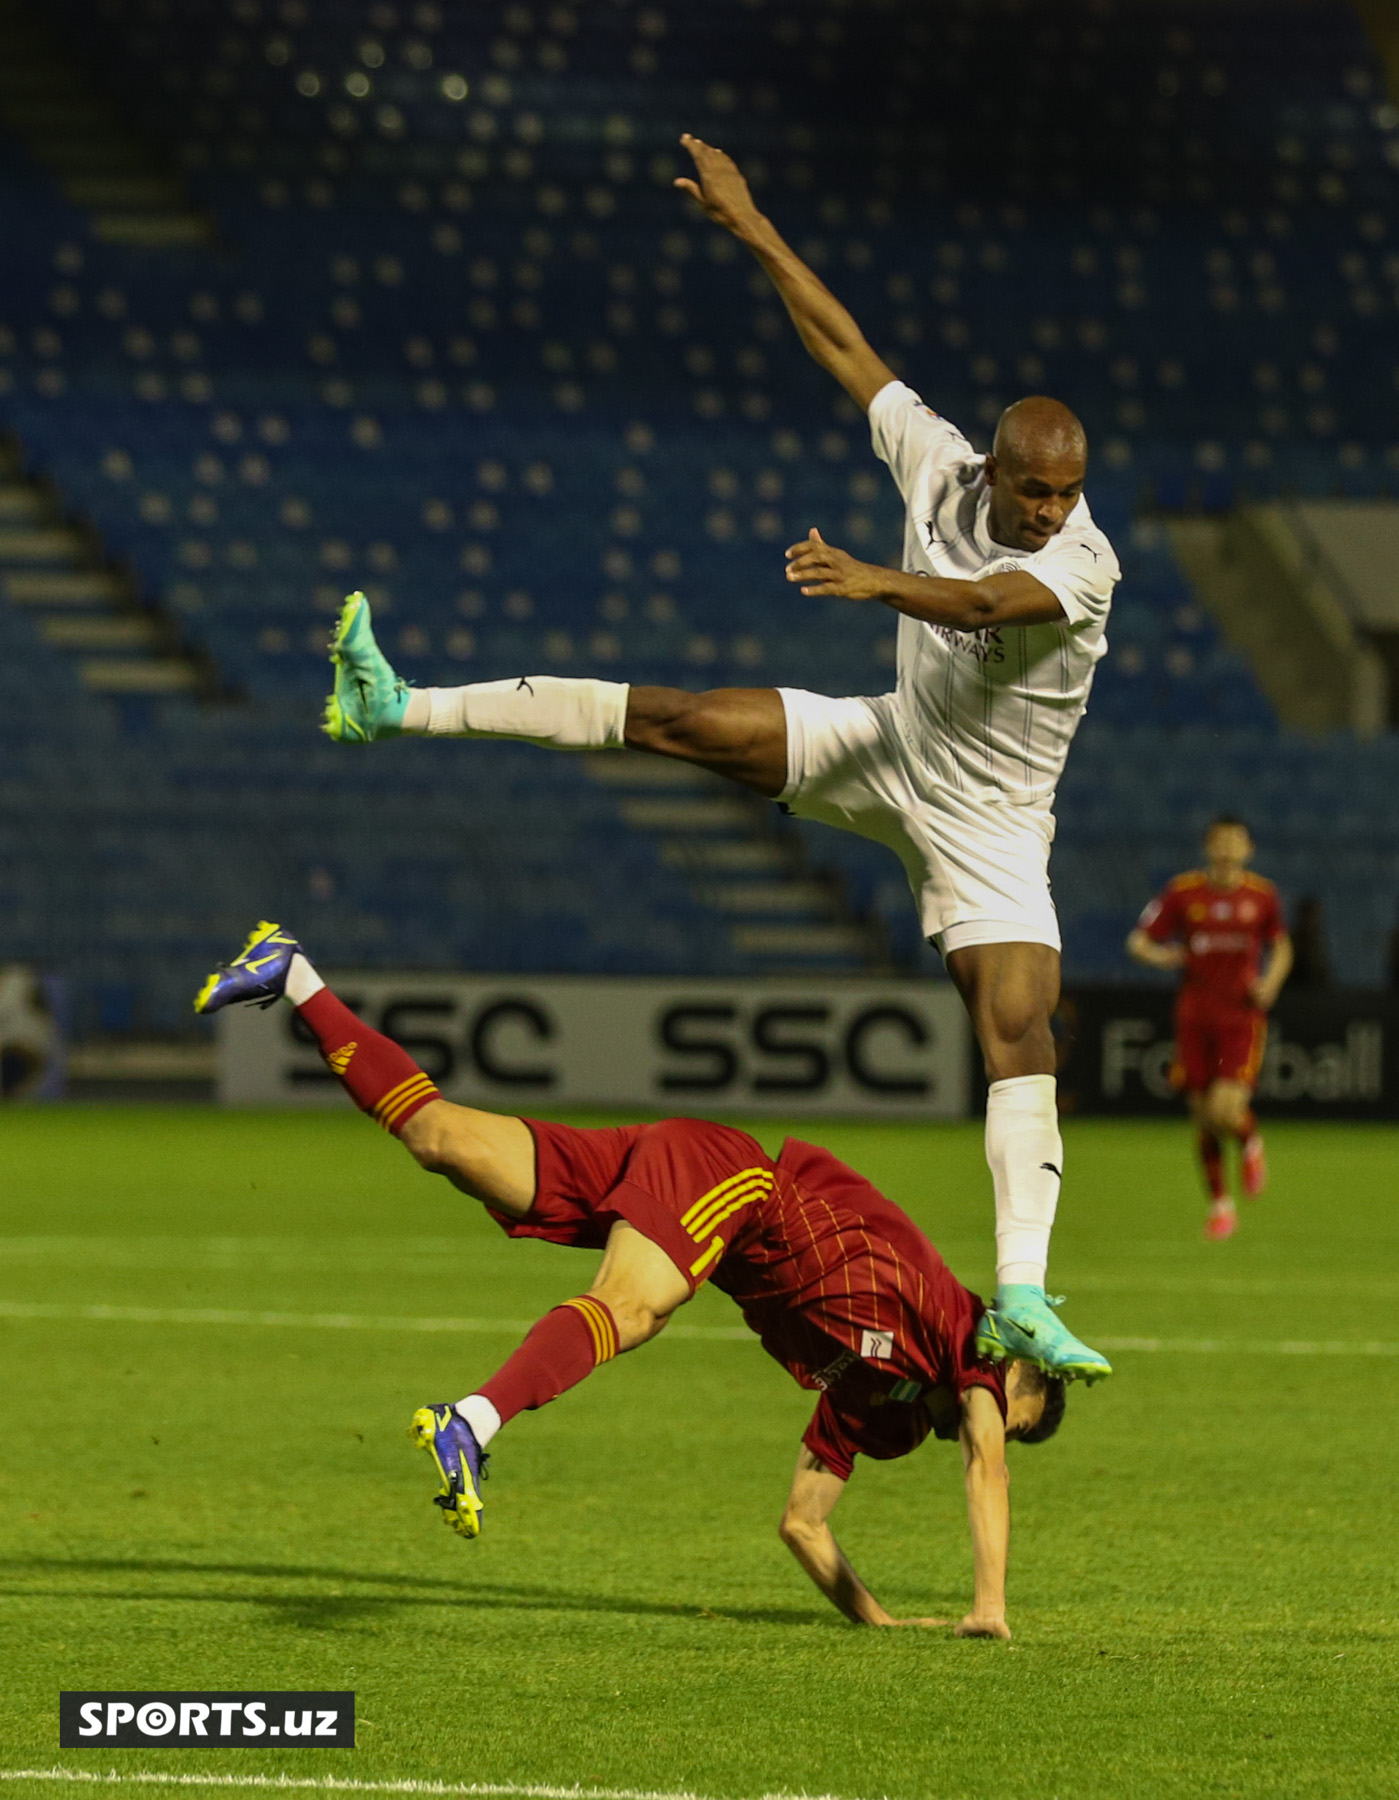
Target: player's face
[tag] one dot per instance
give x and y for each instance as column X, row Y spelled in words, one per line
column 1228, row 849
column 1024, row 1406
column 1030, row 501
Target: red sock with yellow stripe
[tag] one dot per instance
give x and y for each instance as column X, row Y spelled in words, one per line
column 561, row 1350
column 379, row 1077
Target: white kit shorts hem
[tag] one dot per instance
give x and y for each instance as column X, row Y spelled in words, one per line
column 978, row 865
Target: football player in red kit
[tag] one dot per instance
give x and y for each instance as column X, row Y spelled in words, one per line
column 1223, row 928
column 841, row 1287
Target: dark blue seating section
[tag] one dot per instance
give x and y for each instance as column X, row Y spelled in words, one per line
column 459, row 343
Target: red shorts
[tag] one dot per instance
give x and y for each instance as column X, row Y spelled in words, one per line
column 1220, row 1046
column 686, row 1184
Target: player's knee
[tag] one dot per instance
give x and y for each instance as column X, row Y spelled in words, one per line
column 668, row 721
column 1016, row 1036
column 637, row 1321
column 430, row 1139
column 1228, row 1112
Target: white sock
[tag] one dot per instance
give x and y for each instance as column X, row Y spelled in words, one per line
column 1026, row 1155
column 480, row 1415
column 554, row 710
column 302, row 981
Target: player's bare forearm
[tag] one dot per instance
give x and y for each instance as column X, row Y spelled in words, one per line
column 806, row 1532
column 821, row 569
column 1276, row 970
column 816, row 1549
column 988, row 1513
column 1145, row 950
column 828, row 331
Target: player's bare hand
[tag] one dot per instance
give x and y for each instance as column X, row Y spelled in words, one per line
column 718, row 187
column 820, row 568
column 972, row 1627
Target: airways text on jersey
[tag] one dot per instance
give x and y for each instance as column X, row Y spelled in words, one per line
column 985, row 643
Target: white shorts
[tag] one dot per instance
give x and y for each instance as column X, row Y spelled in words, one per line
column 979, row 869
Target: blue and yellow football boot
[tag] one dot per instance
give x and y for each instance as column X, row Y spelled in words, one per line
column 369, row 700
column 258, row 972
column 1022, row 1324
column 460, row 1460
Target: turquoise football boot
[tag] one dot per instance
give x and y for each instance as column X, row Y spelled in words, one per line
column 369, row 700
column 1022, row 1325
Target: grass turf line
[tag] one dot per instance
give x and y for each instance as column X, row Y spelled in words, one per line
column 1202, row 1587
column 330, row 1784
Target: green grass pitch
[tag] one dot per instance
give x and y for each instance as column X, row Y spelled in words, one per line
column 1203, row 1581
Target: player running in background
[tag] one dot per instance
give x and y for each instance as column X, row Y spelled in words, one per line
column 1223, row 928
column 1003, row 600
column 839, row 1284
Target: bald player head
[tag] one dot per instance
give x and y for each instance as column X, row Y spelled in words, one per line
column 1035, row 471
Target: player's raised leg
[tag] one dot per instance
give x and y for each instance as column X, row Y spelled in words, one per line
column 492, row 1158
column 637, row 1288
column 737, row 732
column 1011, row 990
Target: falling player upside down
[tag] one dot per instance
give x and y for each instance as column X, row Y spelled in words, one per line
column 840, row 1285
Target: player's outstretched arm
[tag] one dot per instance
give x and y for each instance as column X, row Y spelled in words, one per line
column 1143, row 948
column 806, row 1531
column 823, row 324
column 983, row 1437
column 1014, row 598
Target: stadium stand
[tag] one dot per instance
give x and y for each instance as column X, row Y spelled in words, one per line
column 453, row 338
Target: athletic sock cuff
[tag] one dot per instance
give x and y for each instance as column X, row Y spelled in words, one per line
column 400, row 1104
column 602, row 1327
column 1022, row 1084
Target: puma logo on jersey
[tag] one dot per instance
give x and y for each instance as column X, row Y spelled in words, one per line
column 1057, row 1173
column 524, row 683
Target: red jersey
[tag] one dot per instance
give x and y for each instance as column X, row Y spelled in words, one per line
column 1224, row 931
column 840, row 1285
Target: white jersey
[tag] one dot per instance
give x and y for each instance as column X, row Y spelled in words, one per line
column 990, row 713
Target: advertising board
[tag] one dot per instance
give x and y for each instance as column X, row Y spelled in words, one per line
column 889, row 1049
column 1332, row 1054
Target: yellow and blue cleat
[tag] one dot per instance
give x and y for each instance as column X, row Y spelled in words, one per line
column 461, row 1462
column 368, row 701
column 1021, row 1325
column 258, row 972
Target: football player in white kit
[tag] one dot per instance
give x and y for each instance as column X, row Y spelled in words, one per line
column 1003, row 597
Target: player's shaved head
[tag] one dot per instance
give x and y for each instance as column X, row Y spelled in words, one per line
column 1035, row 471
column 1039, row 430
